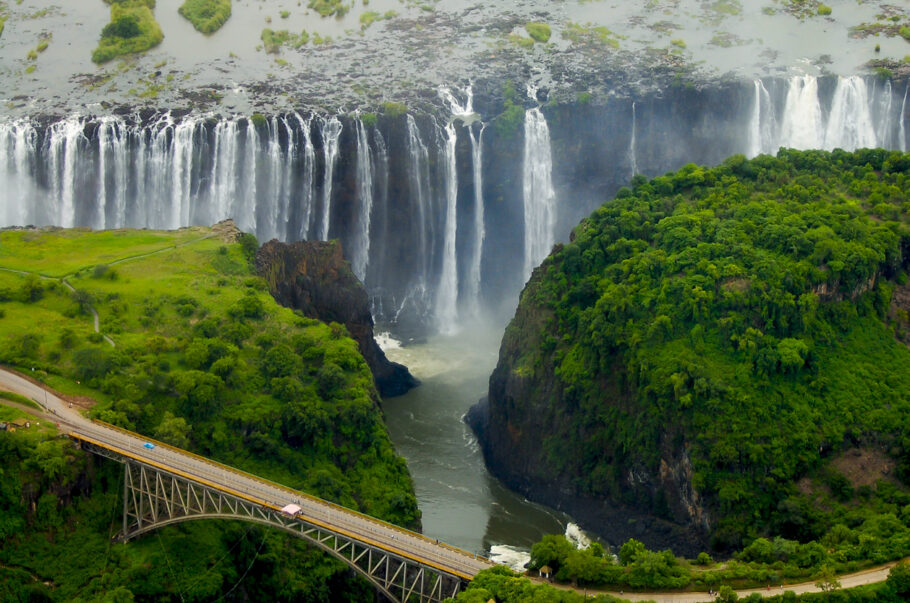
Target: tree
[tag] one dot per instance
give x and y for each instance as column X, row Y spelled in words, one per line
column 173, row 430
column 552, row 550
column 630, row 550
column 898, row 582
column 827, row 581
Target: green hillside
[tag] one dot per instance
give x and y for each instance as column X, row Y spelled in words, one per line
column 726, row 349
column 193, row 351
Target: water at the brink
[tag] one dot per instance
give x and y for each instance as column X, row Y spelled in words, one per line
column 473, row 290
column 331, row 132
column 461, row 503
column 361, row 253
column 853, row 121
column 539, row 196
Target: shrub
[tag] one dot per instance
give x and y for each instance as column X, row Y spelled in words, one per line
column 905, row 33
column 539, row 32
column 207, row 16
column 824, row 9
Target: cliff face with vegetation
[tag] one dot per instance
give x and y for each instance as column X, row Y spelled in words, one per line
column 195, row 352
column 704, row 359
column 314, row 277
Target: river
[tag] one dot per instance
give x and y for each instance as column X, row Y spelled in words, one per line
column 461, row 503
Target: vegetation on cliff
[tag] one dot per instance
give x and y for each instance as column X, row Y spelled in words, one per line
column 133, row 28
column 206, row 16
column 715, row 345
column 199, row 356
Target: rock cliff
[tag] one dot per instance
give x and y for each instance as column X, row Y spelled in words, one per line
column 315, row 278
column 707, row 340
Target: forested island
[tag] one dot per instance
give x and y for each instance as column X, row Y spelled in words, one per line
column 194, row 352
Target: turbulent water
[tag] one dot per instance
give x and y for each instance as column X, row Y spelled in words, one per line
column 440, row 215
column 461, row 503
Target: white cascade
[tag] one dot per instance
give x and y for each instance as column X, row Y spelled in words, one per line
column 181, row 211
column 761, row 124
column 65, row 139
column 447, row 292
column 883, row 100
column 331, row 133
column 305, row 208
column 224, row 170
column 276, row 202
column 802, row 119
column 245, row 204
column 17, row 154
column 474, row 274
column 849, row 121
column 539, row 196
column 361, row 252
column 902, row 119
column 459, row 109
column 633, row 161
column 419, row 182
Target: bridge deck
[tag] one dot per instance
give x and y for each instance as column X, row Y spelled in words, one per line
column 364, row 528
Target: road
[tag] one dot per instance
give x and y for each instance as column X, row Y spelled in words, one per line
column 384, row 535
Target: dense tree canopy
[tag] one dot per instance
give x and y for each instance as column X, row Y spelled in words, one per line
column 749, row 317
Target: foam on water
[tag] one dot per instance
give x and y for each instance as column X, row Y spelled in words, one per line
column 515, row 558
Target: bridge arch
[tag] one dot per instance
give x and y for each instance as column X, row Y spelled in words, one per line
column 154, row 497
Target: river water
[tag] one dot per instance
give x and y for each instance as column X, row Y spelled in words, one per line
column 462, row 504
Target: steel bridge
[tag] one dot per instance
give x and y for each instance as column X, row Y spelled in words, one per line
column 402, row 565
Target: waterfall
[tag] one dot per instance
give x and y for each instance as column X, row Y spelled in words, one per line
column 305, row 204
column 849, row 122
column 331, row 132
column 802, row 123
column 539, row 196
column 182, row 162
column 419, row 182
column 275, row 209
column 473, row 284
column 361, row 253
column 244, row 206
column 902, row 119
column 224, row 170
column 17, row 156
column 447, row 293
column 761, row 124
column 633, row 163
column 65, row 140
column 883, row 119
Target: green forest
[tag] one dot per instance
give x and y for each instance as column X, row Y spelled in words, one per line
column 751, row 318
column 193, row 351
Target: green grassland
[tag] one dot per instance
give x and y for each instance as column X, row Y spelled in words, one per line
column 203, row 358
column 59, row 252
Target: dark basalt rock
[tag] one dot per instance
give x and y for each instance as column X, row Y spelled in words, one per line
column 314, row 277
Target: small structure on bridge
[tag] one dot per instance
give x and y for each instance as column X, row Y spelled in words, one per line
column 290, row 510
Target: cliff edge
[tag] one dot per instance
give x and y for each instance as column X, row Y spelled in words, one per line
column 314, row 277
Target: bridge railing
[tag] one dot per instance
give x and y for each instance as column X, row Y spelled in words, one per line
column 291, row 491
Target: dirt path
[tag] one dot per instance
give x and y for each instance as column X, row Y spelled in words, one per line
column 868, row 576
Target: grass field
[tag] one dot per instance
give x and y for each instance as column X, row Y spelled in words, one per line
column 61, row 252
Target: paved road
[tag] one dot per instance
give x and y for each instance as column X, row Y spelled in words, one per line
column 379, row 533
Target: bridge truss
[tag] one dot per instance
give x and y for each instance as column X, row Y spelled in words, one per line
column 154, row 497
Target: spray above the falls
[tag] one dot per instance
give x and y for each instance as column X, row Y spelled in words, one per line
column 539, row 196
